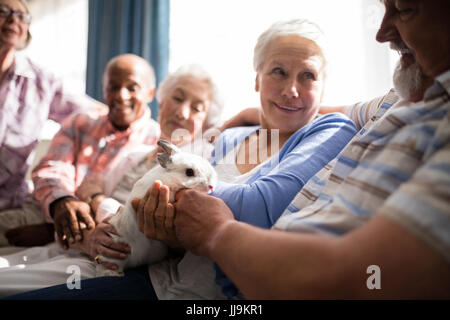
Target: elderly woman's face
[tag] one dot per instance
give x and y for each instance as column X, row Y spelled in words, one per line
column 186, row 106
column 290, row 83
column 13, row 31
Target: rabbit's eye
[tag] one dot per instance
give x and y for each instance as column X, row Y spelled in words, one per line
column 190, row 172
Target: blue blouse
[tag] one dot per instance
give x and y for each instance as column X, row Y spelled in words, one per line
column 271, row 189
column 265, row 196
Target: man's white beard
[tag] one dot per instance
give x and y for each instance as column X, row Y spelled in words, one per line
column 407, row 80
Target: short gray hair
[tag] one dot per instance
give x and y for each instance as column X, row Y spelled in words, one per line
column 199, row 73
column 29, row 37
column 301, row 27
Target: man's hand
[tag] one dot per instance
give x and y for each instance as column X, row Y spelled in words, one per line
column 155, row 215
column 70, row 215
column 199, row 220
column 247, row 117
column 99, row 242
column 31, row 235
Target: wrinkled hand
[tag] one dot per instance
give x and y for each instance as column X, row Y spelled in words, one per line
column 70, row 215
column 155, row 215
column 31, row 235
column 90, row 185
column 199, row 221
column 100, row 242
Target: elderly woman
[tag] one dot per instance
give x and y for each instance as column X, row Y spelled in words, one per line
column 28, row 97
column 261, row 168
column 189, row 102
column 189, row 106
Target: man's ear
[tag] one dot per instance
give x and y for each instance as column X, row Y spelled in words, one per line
column 151, row 95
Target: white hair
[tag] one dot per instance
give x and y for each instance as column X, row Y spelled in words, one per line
column 199, row 73
column 300, row 27
column 408, row 80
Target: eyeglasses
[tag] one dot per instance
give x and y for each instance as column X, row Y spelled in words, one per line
column 6, row 12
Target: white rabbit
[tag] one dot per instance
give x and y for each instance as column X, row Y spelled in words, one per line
column 178, row 170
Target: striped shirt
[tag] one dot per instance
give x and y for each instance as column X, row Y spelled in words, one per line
column 28, row 97
column 362, row 113
column 398, row 166
column 87, row 146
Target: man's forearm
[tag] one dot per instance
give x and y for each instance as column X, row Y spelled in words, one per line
column 271, row 264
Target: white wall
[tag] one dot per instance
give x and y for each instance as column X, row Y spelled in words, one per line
column 221, row 35
column 60, row 29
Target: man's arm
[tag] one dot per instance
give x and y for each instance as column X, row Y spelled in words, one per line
column 362, row 112
column 269, row 264
column 54, row 180
column 247, row 117
column 326, row 110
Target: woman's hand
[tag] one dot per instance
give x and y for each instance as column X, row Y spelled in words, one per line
column 155, row 215
column 99, row 242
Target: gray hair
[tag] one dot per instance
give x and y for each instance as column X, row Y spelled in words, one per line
column 199, row 73
column 301, row 27
column 29, row 37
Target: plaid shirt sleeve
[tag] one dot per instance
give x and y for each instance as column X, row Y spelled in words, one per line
column 54, row 177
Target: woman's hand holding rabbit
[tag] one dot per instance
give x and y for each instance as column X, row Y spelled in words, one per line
column 155, row 215
column 99, row 242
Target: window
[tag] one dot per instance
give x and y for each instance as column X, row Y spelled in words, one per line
column 59, row 29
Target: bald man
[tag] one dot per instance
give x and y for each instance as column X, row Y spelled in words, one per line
column 85, row 147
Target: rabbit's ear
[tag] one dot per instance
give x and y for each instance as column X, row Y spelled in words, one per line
column 164, row 159
column 167, row 147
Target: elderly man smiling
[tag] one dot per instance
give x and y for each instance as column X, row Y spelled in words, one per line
column 85, row 146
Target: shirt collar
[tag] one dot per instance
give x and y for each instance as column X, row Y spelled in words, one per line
column 144, row 121
column 441, row 85
column 22, row 67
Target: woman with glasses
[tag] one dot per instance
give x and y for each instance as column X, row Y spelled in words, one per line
column 28, row 97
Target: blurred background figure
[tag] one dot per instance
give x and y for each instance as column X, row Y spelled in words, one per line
column 29, row 96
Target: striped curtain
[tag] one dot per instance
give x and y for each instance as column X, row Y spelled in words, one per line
column 127, row 26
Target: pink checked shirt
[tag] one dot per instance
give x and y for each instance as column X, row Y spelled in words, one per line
column 28, row 97
column 86, row 146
